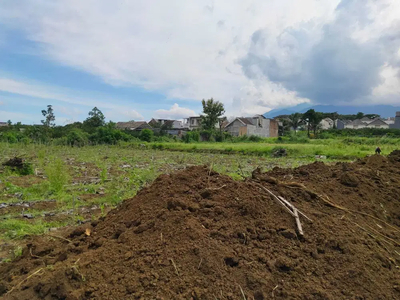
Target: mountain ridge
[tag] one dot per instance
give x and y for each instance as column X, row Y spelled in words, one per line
column 384, row 111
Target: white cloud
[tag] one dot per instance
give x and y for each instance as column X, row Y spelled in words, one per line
column 179, row 48
column 17, row 117
column 184, row 49
column 120, row 115
column 175, row 112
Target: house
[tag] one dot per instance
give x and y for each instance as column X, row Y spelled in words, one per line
column 3, row 124
column 132, row 125
column 378, row 123
column 396, row 124
column 193, row 123
column 175, row 124
column 257, row 125
column 341, row 124
column 326, row 123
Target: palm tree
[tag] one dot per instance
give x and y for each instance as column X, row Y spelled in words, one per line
column 295, row 120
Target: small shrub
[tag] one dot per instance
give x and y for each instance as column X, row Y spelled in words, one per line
column 57, row 174
column 146, row 135
column 255, row 138
column 77, row 138
column 191, row 136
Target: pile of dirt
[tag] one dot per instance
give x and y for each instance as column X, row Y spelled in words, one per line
column 15, row 162
column 19, row 165
column 197, row 234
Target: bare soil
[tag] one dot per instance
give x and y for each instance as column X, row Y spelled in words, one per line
column 196, row 234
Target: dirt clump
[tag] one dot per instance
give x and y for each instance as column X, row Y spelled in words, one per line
column 196, row 234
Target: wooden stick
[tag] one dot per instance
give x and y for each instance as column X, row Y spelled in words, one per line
column 244, row 296
column 215, row 189
column 298, row 223
column 198, row 267
column 276, row 198
column 291, row 205
column 176, row 269
column 24, row 280
column 59, row 237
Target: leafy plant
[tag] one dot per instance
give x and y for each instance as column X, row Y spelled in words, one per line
column 57, row 174
column 146, row 135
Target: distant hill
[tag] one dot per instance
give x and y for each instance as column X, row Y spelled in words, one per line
column 384, row 110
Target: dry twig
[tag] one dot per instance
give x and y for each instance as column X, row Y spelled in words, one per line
column 241, row 290
column 19, row 284
column 176, row 269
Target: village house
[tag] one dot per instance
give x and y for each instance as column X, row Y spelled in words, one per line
column 257, row 125
column 132, row 125
column 368, row 123
column 175, row 124
column 193, row 123
column 396, row 124
column 326, row 123
column 378, row 123
column 3, row 124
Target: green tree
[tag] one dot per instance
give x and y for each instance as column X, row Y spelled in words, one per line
column 295, row 120
column 9, row 122
column 312, row 119
column 221, row 122
column 49, row 116
column 95, row 119
column 146, row 135
column 212, row 111
column 334, row 117
column 360, row 115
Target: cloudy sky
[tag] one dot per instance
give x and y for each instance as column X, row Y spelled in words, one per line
column 141, row 59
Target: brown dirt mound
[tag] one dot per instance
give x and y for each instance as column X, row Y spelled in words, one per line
column 199, row 235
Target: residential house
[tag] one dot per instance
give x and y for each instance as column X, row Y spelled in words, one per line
column 378, row 123
column 341, row 124
column 396, row 124
column 326, row 123
column 132, row 125
column 175, row 124
column 257, row 125
column 367, row 123
column 193, row 123
column 3, row 124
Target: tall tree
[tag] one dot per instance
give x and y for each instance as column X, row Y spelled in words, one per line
column 307, row 118
column 49, row 116
column 312, row 119
column 334, row 117
column 95, row 119
column 221, row 122
column 295, row 120
column 212, row 111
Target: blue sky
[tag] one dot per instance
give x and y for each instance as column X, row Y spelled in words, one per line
column 136, row 60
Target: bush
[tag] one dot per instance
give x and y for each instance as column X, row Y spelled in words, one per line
column 57, row 174
column 77, row 138
column 191, row 136
column 255, row 138
column 109, row 135
column 146, row 135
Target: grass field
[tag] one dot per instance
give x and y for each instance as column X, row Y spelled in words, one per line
column 347, row 148
column 74, row 185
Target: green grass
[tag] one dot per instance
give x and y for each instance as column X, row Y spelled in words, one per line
column 17, row 229
column 332, row 148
